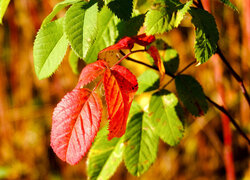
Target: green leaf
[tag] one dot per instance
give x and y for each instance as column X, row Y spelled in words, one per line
column 57, row 8
column 141, row 144
column 130, row 27
column 107, row 1
column 160, row 44
column 229, row 4
column 170, row 57
column 81, row 26
column 148, row 81
column 171, row 3
column 73, row 62
column 191, row 94
column 106, row 35
column 182, row 10
column 121, row 8
column 50, row 47
column 171, row 60
column 164, row 110
column 104, row 156
column 206, row 34
column 161, row 20
column 3, row 7
column 134, row 109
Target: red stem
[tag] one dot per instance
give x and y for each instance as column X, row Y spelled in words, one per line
column 227, row 134
column 126, row 56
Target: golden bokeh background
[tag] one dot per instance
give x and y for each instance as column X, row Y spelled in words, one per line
column 26, row 103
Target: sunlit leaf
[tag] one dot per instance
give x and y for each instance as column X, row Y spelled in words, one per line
column 124, row 43
column 76, row 120
column 148, row 81
column 3, row 7
column 110, row 56
column 161, row 20
column 81, row 26
column 106, row 34
column 143, row 39
column 73, row 62
column 120, row 87
column 49, row 48
column 191, row 94
column 128, row 43
column 153, row 51
column 140, row 144
column 104, row 156
column 163, row 110
column 135, row 108
column 206, row 34
column 90, row 72
column 57, row 8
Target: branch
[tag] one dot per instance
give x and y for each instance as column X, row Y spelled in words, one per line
column 231, row 70
column 234, row 74
column 126, row 55
column 185, row 68
column 220, row 108
column 147, row 65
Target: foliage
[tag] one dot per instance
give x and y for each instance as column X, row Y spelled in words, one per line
column 164, row 111
column 100, row 33
column 206, row 34
column 81, row 26
column 49, row 48
column 105, row 156
column 228, row 3
column 191, row 94
column 165, row 18
column 141, row 144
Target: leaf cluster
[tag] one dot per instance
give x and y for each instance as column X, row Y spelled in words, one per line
column 98, row 32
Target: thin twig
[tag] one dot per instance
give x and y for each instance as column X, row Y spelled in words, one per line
column 126, row 55
column 190, row 64
column 232, row 71
column 234, row 74
column 185, row 68
column 142, row 63
column 220, row 108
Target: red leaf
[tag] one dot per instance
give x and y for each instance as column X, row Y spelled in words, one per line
column 128, row 42
column 76, row 120
column 124, row 43
column 111, row 57
column 120, row 87
column 90, row 72
column 153, row 51
column 143, row 39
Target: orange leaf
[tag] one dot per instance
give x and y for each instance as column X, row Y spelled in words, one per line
column 90, row 72
column 120, row 87
column 124, row 43
column 143, row 39
column 153, row 51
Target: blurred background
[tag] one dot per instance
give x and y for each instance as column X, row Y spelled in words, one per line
column 26, row 103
